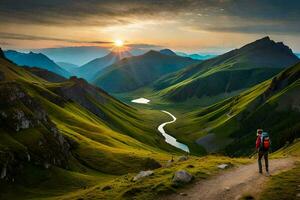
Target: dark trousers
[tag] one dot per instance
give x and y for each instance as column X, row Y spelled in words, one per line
column 265, row 155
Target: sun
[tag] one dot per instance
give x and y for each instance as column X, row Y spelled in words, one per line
column 118, row 43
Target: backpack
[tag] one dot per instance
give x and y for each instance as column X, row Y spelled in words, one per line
column 265, row 141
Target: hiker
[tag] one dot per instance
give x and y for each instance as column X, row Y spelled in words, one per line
column 262, row 146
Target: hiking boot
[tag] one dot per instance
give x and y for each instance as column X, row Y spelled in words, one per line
column 260, row 172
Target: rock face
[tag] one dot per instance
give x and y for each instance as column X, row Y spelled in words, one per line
column 143, row 174
column 20, row 114
column 182, row 177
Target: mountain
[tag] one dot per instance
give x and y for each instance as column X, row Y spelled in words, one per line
column 78, row 55
column 201, row 57
column 298, row 55
column 168, row 52
column 35, row 60
column 67, row 66
column 94, row 67
column 196, row 56
column 138, row 71
column 232, row 71
column 81, row 55
column 230, row 126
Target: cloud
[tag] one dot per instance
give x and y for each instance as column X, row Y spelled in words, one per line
column 247, row 16
column 14, row 36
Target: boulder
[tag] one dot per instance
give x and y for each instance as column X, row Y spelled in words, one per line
column 143, row 174
column 182, row 176
column 182, row 158
column 223, row 166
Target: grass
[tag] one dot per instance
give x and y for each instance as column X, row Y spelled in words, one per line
column 285, row 185
column 58, row 184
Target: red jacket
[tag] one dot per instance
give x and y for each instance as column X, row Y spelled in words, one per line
column 258, row 141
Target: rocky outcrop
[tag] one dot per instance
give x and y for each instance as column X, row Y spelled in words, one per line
column 22, row 114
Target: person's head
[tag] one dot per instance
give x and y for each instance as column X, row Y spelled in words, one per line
column 259, row 131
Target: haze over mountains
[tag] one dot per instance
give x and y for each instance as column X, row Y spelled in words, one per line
column 94, row 67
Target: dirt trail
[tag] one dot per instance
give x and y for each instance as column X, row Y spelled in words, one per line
column 232, row 184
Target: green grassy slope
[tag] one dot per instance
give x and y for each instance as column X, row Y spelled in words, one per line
column 132, row 73
column 272, row 105
column 235, row 70
column 104, row 128
column 69, row 133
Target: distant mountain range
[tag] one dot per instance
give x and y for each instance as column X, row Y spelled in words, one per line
column 196, row 56
column 134, row 72
column 81, row 55
column 94, row 67
column 235, row 70
column 67, row 66
column 35, row 60
column 74, row 55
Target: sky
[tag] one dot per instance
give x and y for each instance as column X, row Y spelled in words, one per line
column 182, row 25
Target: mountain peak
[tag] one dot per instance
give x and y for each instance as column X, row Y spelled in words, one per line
column 269, row 45
column 168, row 52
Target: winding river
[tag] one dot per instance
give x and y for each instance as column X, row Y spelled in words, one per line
column 168, row 138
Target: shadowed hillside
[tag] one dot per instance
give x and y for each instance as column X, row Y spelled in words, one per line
column 138, row 71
